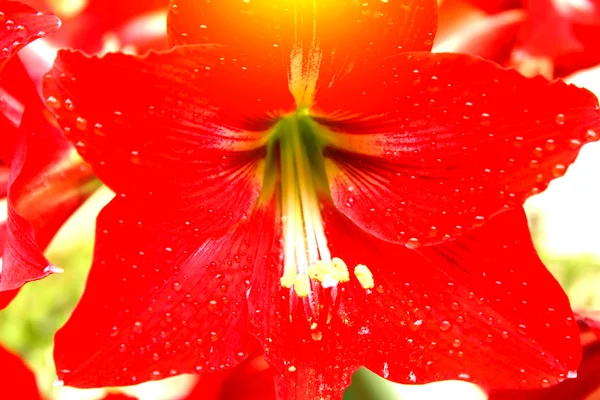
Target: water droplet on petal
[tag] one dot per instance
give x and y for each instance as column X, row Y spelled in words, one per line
column 137, row 327
column 155, row 375
column 560, row 119
column 545, row 383
column 445, row 325
column 53, row 102
column 81, row 123
column 69, row 106
column 559, row 170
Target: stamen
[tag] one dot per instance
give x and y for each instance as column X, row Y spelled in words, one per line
column 309, row 268
column 364, row 276
column 302, row 285
column 289, row 276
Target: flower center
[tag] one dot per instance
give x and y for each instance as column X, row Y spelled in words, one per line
column 296, row 150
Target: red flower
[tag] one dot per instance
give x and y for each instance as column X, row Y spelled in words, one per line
column 100, row 21
column 550, row 37
column 42, row 177
column 22, row 25
column 581, row 385
column 302, row 180
column 16, row 379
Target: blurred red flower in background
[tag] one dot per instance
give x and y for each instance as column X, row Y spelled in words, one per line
column 42, row 177
column 97, row 26
column 549, row 37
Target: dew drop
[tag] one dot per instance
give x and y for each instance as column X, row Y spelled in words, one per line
column 574, row 143
column 560, row 119
column 155, row 375
column 545, row 383
column 69, row 106
column 81, row 123
column 445, row 325
column 572, row 374
column 137, row 327
column 456, row 344
column 176, row 286
column 53, row 102
column 413, row 243
column 559, row 170
column 591, row 135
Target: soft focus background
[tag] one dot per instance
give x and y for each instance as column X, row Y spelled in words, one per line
column 565, row 222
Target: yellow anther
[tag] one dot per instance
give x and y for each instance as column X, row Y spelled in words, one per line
column 289, row 276
column 302, row 285
column 341, row 270
column 319, row 270
column 364, row 276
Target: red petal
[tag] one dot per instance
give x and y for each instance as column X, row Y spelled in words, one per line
column 470, row 309
column 345, row 32
column 47, row 185
column 16, row 379
column 494, row 6
column 555, row 33
column 7, row 297
column 546, row 32
column 491, row 37
column 430, row 145
column 310, row 363
column 168, row 124
column 482, row 308
column 581, row 387
column 176, row 304
column 250, row 380
column 88, row 30
column 23, row 25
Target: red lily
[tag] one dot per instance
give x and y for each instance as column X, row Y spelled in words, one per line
column 555, row 38
column 587, row 381
column 342, row 194
column 43, row 179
